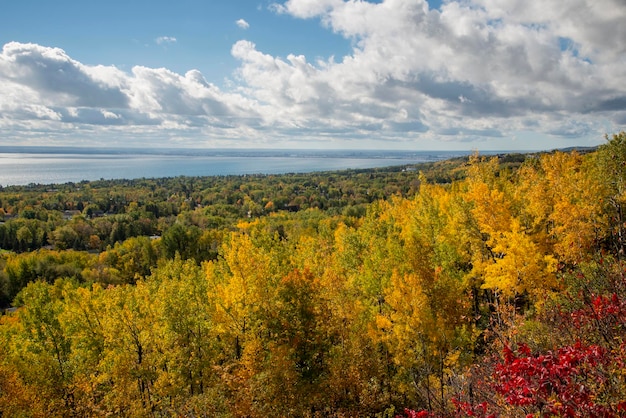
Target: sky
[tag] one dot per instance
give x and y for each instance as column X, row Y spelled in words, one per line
column 315, row 74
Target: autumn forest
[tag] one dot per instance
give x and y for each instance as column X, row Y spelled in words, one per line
column 480, row 286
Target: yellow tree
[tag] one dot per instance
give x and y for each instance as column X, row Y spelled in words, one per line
column 510, row 260
column 132, row 346
column 244, row 282
column 20, row 395
column 19, row 399
column 533, row 192
column 130, row 260
column 189, row 349
column 427, row 326
column 518, row 266
column 353, row 367
column 295, row 348
column 81, row 318
column 488, row 188
column 577, row 200
column 39, row 348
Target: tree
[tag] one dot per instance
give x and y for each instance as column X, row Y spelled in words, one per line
column 611, row 167
column 298, row 345
column 518, row 266
column 562, row 201
column 183, row 240
column 46, row 265
column 65, row 237
column 131, row 259
column 190, row 347
column 132, row 342
column 40, row 348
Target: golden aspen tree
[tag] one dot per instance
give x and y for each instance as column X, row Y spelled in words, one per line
column 20, row 395
column 295, row 345
column 488, row 191
column 536, row 199
column 133, row 340
column 40, row 348
column 510, row 262
column 81, row 318
column 244, row 283
column 518, row 266
column 576, row 219
column 354, row 370
column 427, row 326
column 186, row 308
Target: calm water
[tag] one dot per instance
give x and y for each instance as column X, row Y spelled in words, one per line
column 43, row 165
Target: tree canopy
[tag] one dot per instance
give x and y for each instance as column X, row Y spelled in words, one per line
column 478, row 287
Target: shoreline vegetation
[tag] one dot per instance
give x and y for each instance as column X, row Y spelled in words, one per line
column 488, row 286
column 53, row 165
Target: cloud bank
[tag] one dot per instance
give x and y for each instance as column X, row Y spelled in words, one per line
column 467, row 71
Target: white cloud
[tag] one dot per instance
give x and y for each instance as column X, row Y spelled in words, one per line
column 502, row 57
column 42, row 83
column 51, row 77
column 472, row 69
column 42, row 112
column 165, row 40
column 242, row 24
column 109, row 115
column 305, row 9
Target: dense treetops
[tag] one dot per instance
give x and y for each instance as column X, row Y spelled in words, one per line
column 476, row 287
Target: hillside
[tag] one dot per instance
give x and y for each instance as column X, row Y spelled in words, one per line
column 469, row 287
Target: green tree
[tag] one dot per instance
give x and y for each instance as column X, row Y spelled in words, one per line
column 184, row 241
column 610, row 166
column 131, row 259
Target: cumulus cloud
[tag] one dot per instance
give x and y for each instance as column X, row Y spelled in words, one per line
column 54, row 78
column 242, row 24
column 43, row 83
column 469, row 70
column 486, row 65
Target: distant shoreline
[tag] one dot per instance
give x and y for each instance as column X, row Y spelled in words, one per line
column 57, row 165
column 49, row 165
column 256, row 152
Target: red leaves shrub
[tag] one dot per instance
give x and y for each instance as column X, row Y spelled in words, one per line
column 480, row 410
column 585, row 377
column 562, row 383
column 409, row 413
column 568, row 382
column 603, row 318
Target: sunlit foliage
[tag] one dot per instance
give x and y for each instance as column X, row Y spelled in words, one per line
column 498, row 290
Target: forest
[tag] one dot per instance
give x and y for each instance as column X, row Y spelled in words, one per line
column 480, row 286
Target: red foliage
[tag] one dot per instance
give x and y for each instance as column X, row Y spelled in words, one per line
column 584, row 379
column 409, row 413
column 466, row 409
column 564, row 383
column 601, row 309
column 561, row 383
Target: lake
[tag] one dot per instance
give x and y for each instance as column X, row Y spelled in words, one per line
column 56, row 165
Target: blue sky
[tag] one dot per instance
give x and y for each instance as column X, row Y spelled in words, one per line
column 394, row 74
column 178, row 35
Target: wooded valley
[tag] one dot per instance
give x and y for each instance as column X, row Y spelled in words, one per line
column 487, row 287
